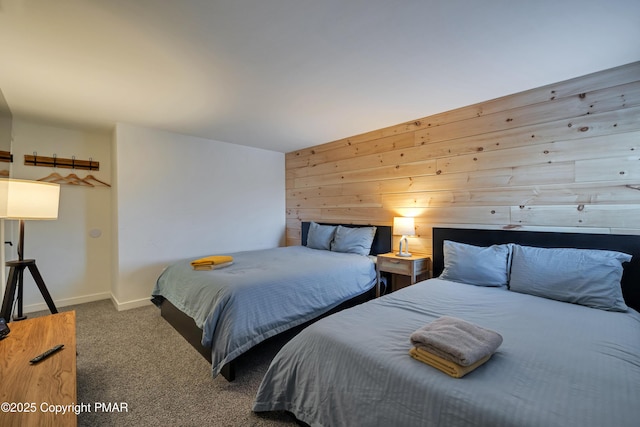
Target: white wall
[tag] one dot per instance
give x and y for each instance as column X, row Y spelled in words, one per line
column 75, row 266
column 172, row 197
column 177, row 196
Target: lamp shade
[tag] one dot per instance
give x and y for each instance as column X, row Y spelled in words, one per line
column 23, row 199
column 403, row 226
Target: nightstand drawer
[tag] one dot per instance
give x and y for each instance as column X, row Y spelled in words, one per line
column 395, row 265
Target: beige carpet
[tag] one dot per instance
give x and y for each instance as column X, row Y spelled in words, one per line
column 136, row 357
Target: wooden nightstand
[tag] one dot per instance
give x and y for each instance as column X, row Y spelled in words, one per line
column 414, row 268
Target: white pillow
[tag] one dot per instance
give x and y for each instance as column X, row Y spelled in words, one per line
column 476, row 265
column 320, row 236
column 356, row 240
column 587, row 277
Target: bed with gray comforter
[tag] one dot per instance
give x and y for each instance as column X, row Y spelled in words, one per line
column 560, row 364
column 262, row 293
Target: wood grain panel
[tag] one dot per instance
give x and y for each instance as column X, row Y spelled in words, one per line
column 388, row 158
column 526, row 195
column 601, row 124
column 582, row 215
column 618, row 145
column 377, row 146
column 564, row 156
column 372, row 174
column 369, row 200
column 622, row 169
column 610, row 99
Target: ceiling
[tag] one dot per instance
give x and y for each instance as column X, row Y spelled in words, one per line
column 288, row 74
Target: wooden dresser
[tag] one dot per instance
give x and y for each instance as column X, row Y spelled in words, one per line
column 29, row 392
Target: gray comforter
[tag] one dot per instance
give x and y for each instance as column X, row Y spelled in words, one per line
column 262, row 293
column 559, row 364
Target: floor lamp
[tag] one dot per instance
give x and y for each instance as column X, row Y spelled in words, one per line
column 26, row 200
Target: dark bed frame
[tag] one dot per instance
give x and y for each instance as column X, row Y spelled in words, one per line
column 187, row 327
column 629, row 244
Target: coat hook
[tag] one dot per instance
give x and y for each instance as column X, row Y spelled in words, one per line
column 55, row 160
column 73, row 162
column 90, row 160
column 35, row 158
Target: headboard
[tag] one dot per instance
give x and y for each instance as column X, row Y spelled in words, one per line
column 623, row 243
column 382, row 241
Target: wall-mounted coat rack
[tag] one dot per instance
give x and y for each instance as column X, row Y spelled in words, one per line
column 59, row 162
column 6, row 156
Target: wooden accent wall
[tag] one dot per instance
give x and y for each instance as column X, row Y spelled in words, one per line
column 563, row 155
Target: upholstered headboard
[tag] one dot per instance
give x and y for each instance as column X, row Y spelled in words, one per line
column 382, row 241
column 623, row 243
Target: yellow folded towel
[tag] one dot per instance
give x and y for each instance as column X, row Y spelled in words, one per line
column 456, row 340
column 446, row 366
column 211, row 262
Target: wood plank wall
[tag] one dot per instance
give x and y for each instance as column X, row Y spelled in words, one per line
column 561, row 156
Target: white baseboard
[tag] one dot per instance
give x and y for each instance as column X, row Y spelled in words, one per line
column 67, row 301
column 121, row 306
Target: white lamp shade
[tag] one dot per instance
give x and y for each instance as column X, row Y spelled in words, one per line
column 403, row 226
column 22, row 199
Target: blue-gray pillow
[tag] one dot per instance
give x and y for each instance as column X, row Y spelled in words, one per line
column 476, row 265
column 320, row 236
column 587, row 277
column 355, row 240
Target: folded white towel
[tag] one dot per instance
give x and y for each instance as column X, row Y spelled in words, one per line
column 456, row 340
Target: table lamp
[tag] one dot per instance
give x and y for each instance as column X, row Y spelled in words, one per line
column 403, row 226
column 26, row 200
